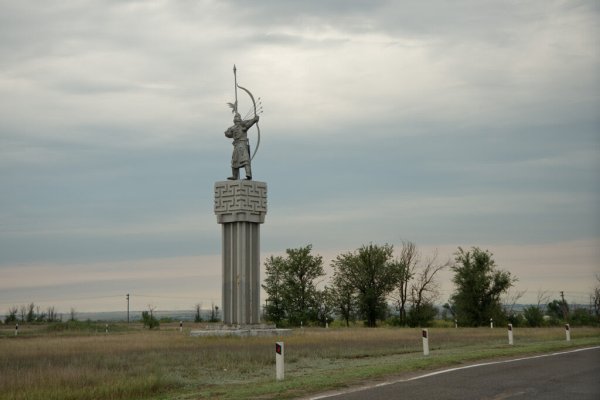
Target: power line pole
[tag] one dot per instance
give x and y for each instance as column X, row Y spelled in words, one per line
column 128, row 308
column 565, row 310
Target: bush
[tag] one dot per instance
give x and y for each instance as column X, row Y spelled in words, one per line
column 533, row 316
column 422, row 316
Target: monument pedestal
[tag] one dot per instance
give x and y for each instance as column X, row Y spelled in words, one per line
column 241, row 207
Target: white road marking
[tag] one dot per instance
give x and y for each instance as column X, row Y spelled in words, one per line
column 445, row 371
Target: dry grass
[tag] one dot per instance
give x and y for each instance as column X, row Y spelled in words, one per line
column 137, row 363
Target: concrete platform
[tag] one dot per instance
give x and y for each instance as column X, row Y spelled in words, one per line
column 241, row 330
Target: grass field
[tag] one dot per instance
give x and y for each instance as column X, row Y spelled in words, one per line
column 132, row 363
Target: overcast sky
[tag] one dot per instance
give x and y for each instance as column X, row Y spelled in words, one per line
column 446, row 123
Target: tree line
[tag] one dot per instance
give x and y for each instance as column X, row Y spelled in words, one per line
column 32, row 313
column 372, row 285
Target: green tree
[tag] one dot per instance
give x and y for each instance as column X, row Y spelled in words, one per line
column 290, row 284
column 198, row 316
column 558, row 310
column 273, row 286
column 149, row 320
column 478, row 287
column 344, row 298
column 372, row 273
column 30, row 313
column 325, row 305
column 11, row 316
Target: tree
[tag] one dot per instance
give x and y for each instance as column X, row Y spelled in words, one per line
column 214, row 313
column 595, row 299
column 558, row 310
column 533, row 315
column 11, row 316
column 30, row 313
column 406, row 265
column 424, row 291
column 325, row 305
column 479, row 286
column 51, row 315
column 148, row 318
column 371, row 272
column 344, row 298
column 290, row 284
column 273, row 286
column 23, row 312
column 198, row 317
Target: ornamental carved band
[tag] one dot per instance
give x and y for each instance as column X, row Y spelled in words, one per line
column 240, row 201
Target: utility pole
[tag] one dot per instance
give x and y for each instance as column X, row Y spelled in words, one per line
column 128, row 308
column 563, row 305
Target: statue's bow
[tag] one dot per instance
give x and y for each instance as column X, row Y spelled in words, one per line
column 255, row 114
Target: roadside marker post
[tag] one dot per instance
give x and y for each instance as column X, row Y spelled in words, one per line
column 568, row 332
column 510, row 334
column 180, row 326
column 106, row 328
column 491, row 323
column 17, row 329
column 425, row 334
column 279, row 366
column 456, row 323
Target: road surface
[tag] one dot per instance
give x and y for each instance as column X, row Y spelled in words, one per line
column 566, row 375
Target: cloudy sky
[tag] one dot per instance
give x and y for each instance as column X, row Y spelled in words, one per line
column 446, row 123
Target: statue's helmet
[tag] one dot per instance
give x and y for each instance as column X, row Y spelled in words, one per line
column 237, row 118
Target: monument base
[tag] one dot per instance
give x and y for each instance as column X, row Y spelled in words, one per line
column 241, row 330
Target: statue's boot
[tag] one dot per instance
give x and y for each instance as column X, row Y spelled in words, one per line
column 235, row 174
column 248, row 172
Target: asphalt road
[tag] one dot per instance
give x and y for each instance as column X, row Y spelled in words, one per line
column 569, row 375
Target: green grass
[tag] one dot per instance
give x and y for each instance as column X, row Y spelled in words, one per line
column 133, row 363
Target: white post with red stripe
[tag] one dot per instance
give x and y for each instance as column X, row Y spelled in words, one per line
column 17, row 329
column 510, row 334
column 425, row 334
column 180, row 326
column 568, row 332
column 279, row 365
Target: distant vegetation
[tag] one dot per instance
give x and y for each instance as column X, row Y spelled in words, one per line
column 372, row 286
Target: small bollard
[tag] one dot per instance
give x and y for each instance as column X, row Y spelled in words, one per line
column 425, row 334
column 568, row 332
column 510, row 334
column 16, row 329
column 180, row 326
column 106, row 328
column 456, row 323
column 491, row 323
column 279, row 366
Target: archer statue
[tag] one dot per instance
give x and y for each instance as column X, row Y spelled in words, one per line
column 239, row 133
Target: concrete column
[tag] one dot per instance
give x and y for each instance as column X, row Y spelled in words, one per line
column 241, row 207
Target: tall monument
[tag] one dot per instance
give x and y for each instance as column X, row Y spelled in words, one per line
column 241, row 206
